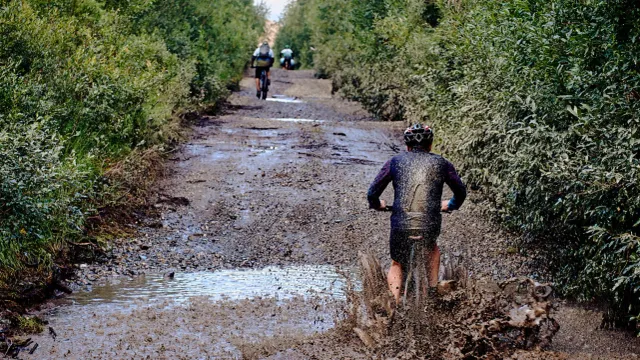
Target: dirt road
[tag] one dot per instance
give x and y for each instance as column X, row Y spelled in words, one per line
column 277, row 188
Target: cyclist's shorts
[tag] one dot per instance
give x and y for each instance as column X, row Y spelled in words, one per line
column 259, row 71
column 400, row 243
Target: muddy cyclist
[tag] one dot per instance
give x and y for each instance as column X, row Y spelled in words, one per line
column 418, row 177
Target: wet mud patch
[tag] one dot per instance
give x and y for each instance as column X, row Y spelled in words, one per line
column 264, row 128
column 195, row 315
column 207, row 121
column 199, row 328
column 173, row 200
column 351, row 161
column 235, row 107
column 310, row 146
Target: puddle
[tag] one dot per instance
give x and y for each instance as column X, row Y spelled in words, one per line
column 285, row 99
column 204, row 315
column 296, row 120
column 279, row 283
column 220, row 152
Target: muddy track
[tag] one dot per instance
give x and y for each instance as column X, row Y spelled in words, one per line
column 273, row 183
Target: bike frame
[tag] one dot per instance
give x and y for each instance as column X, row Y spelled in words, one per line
column 416, row 277
column 264, row 85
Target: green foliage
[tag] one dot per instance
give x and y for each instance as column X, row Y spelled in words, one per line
column 538, row 103
column 296, row 32
column 82, row 85
column 217, row 37
column 29, row 324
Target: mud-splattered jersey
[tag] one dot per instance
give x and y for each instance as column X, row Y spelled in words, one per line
column 418, row 178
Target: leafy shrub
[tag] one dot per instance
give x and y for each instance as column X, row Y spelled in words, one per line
column 218, row 37
column 39, row 201
column 537, row 101
column 83, row 84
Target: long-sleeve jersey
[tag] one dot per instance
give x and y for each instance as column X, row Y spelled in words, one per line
column 418, row 178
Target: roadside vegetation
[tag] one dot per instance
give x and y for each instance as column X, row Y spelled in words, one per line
column 537, row 101
column 88, row 90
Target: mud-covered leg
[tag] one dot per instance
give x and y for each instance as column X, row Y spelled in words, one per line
column 432, row 254
column 394, row 279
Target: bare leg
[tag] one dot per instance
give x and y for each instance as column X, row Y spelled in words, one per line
column 257, row 84
column 433, row 265
column 394, row 279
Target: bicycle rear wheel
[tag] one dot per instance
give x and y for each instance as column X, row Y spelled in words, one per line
column 416, row 280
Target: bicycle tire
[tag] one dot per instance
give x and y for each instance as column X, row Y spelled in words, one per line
column 264, row 80
column 416, row 279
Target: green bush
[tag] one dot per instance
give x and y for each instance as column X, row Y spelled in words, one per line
column 537, row 101
column 82, row 85
column 218, row 37
column 39, row 202
column 296, row 32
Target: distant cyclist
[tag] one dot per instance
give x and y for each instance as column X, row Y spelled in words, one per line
column 418, row 178
column 263, row 59
column 286, row 61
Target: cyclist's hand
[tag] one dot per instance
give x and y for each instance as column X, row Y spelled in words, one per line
column 383, row 205
column 445, row 206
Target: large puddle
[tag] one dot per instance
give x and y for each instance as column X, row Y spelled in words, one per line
column 205, row 315
column 322, row 281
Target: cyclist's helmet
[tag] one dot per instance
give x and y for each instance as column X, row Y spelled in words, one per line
column 265, row 42
column 418, row 135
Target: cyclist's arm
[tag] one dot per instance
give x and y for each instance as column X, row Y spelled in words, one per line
column 457, row 186
column 255, row 56
column 378, row 185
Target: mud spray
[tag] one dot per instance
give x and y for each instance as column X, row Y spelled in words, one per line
column 467, row 319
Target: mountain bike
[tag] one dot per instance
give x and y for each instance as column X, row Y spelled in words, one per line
column 415, row 279
column 264, row 83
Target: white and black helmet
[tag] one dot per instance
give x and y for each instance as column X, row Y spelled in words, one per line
column 418, row 135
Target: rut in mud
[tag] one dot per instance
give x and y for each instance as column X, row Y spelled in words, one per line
column 261, row 216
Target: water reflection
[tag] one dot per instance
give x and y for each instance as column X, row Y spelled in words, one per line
column 296, row 120
column 284, row 99
column 281, row 283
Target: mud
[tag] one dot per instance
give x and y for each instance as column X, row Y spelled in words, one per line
column 273, row 184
